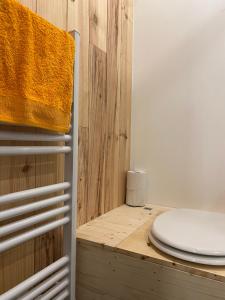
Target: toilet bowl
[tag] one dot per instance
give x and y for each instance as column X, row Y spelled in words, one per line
column 192, row 235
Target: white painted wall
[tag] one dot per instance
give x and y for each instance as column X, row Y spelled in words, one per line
column 178, row 116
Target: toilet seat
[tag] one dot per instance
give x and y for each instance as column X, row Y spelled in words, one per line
column 194, row 258
column 193, row 235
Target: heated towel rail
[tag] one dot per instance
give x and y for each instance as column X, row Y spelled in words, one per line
column 57, row 281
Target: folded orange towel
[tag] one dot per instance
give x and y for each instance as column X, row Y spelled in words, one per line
column 36, row 69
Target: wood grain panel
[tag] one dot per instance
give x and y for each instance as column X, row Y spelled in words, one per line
column 113, row 105
column 82, row 205
column 97, row 132
column 32, row 4
column 81, row 24
column 104, row 25
column 98, row 23
column 104, row 274
column 125, row 95
column 16, row 265
column 55, row 11
column 71, row 11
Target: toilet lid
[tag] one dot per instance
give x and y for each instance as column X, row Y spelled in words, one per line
column 195, row 258
column 194, row 231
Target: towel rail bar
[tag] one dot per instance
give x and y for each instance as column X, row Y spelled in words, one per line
column 33, row 150
column 37, row 137
column 15, row 292
column 62, row 295
column 24, row 237
column 71, row 167
column 23, row 209
column 44, row 286
column 36, row 192
column 22, row 224
column 55, row 290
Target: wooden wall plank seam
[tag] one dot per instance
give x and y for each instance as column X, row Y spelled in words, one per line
column 97, row 132
column 82, row 205
column 125, row 95
column 113, row 105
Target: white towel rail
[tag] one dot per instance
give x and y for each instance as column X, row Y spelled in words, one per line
column 24, row 209
column 41, row 288
column 24, row 286
column 41, row 137
column 32, row 150
column 55, row 290
column 19, row 225
column 24, row 237
column 57, row 281
column 41, row 191
column 62, row 295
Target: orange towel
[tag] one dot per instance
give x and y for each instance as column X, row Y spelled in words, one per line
column 36, row 69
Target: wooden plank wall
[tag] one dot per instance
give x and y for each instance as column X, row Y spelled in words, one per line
column 105, row 103
column 104, row 126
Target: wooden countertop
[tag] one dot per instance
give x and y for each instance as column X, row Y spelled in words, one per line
column 125, row 230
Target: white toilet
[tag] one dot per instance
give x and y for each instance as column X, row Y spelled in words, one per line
column 192, row 235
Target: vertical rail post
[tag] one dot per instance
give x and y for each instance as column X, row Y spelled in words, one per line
column 71, row 175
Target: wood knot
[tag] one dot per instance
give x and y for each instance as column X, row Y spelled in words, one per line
column 95, row 19
column 124, row 135
column 26, row 168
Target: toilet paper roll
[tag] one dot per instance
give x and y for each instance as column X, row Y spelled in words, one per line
column 136, row 180
column 136, row 198
column 136, row 188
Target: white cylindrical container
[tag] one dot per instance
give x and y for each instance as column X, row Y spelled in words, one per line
column 136, row 188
